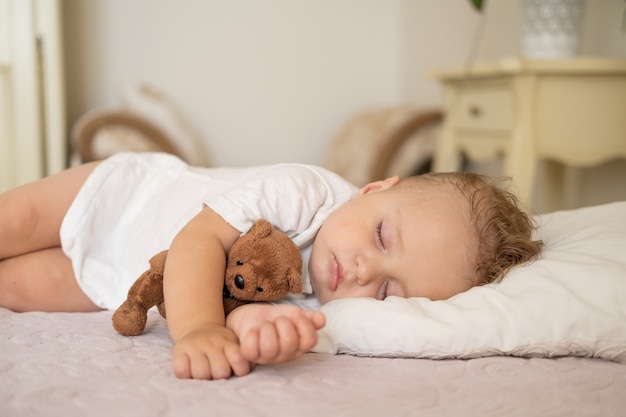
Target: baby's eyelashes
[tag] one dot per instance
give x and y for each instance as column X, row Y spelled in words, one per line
column 379, row 234
column 382, row 291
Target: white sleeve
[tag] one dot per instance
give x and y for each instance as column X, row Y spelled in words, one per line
column 295, row 198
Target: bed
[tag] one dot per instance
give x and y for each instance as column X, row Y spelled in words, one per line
column 549, row 340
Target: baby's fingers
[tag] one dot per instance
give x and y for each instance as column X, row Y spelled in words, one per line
column 288, row 341
column 209, row 355
column 317, row 318
column 181, row 365
column 198, row 365
column 263, row 344
column 240, row 366
column 306, row 327
column 285, row 339
column 269, row 339
column 250, row 347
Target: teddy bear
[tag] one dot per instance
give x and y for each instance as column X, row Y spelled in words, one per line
column 263, row 265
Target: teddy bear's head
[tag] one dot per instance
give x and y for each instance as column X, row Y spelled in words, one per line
column 263, row 265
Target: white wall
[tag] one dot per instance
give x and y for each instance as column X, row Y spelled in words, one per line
column 265, row 81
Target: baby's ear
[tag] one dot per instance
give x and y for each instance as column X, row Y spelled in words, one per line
column 379, row 185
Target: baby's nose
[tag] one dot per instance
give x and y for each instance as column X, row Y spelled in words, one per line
column 367, row 270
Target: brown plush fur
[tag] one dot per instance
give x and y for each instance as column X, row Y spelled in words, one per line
column 263, row 265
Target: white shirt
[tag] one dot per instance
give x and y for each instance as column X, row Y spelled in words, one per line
column 133, row 204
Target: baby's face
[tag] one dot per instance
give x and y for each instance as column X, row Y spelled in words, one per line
column 395, row 241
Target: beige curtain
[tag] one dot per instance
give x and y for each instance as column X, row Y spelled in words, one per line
column 32, row 103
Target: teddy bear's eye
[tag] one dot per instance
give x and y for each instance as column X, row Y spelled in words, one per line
column 239, row 262
column 259, row 289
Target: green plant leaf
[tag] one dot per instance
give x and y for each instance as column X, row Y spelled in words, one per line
column 478, row 4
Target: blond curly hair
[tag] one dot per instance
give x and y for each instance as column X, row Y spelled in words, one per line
column 503, row 230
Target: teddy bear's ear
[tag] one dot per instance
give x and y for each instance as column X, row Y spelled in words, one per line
column 294, row 278
column 261, row 228
column 158, row 260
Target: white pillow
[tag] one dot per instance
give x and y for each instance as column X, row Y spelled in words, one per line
column 570, row 302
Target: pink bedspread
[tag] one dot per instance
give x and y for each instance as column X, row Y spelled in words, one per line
column 76, row 365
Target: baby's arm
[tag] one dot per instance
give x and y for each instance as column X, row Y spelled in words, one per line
column 274, row 333
column 193, row 281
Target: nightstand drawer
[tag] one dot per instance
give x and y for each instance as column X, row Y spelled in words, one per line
column 569, row 111
column 484, row 107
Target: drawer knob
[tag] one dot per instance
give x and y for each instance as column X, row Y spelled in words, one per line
column 475, row 111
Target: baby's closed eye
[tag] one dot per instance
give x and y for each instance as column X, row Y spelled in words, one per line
column 382, row 291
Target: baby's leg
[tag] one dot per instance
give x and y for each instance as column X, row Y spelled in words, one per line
column 31, row 215
column 41, row 281
column 34, row 273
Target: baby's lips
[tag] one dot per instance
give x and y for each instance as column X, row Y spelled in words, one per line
column 336, row 275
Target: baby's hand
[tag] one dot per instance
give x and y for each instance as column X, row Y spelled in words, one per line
column 275, row 333
column 209, row 353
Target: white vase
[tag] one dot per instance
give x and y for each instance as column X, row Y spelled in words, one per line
column 551, row 28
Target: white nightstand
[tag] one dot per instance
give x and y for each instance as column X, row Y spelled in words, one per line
column 572, row 111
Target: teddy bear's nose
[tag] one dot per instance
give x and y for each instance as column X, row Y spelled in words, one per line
column 240, row 282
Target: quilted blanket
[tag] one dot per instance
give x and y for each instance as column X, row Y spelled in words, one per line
column 76, row 365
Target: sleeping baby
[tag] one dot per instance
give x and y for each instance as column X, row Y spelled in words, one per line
column 77, row 240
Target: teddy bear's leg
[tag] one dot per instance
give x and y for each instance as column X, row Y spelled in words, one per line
column 130, row 318
column 161, row 308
